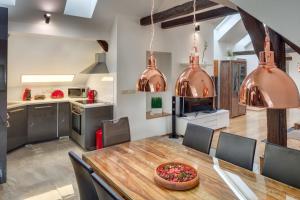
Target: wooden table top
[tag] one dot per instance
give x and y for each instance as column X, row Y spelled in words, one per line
column 129, row 169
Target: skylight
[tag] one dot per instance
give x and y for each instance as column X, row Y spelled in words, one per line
column 226, row 25
column 80, row 8
column 245, row 41
column 8, row 2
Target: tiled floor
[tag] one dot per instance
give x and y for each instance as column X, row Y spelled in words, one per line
column 41, row 172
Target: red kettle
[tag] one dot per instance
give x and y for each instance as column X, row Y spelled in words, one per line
column 92, row 94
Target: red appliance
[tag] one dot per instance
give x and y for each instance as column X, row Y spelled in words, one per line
column 92, row 95
column 99, row 144
column 26, row 95
column 57, row 94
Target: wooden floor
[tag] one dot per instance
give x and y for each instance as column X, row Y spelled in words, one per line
column 254, row 125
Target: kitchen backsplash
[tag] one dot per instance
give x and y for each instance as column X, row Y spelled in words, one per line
column 104, row 87
column 103, row 84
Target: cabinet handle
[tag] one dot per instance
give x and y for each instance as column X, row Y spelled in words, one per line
column 7, row 115
column 14, row 111
column 42, row 107
column 75, row 113
column 7, row 124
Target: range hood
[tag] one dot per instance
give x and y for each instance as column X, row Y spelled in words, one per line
column 99, row 67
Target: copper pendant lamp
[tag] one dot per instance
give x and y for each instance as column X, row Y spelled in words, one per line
column 152, row 80
column 267, row 86
column 194, row 82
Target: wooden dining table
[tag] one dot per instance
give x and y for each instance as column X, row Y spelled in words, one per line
column 129, row 169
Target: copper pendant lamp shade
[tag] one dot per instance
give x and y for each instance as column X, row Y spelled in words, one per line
column 152, row 80
column 267, row 86
column 195, row 82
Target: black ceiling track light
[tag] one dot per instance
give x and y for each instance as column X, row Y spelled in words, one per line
column 47, row 17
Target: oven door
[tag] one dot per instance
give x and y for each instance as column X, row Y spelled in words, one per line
column 76, row 122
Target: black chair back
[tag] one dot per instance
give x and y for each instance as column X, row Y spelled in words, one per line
column 83, row 176
column 282, row 164
column 236, row 149
column 198, row 137
column 104, row 191
column 116, row 132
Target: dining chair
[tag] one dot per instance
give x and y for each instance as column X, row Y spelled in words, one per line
column 104, row 191
column 282, row 164
column 198, row 137
column 236, row 149
column 83, row 173
column 116, row 131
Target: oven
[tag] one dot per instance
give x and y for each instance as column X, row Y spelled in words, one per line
column 77, row 116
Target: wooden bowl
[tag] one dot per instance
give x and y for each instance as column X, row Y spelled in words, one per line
column 179, row 186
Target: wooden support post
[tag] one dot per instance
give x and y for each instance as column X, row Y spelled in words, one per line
column 276, row 118
column 277, row 124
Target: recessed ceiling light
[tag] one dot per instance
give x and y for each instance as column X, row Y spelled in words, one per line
column 8, row 2
column 80, row 8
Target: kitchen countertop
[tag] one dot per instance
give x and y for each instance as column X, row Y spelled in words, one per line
column 15, row 104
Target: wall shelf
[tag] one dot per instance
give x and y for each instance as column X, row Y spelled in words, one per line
column 158, row 115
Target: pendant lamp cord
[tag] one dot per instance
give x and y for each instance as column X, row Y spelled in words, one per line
column 267, row 46
column 153, row 27
column 194, row 26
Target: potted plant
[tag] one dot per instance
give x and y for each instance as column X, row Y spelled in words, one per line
column 156, row 105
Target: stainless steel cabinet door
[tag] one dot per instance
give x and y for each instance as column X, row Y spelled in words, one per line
column 64, row 119
column 42, row 122
column 17, row 130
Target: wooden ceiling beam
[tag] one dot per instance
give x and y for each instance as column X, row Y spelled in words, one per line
column 211, row 14
column 177, row 11
column 103, row 44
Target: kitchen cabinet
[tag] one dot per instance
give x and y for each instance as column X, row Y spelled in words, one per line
column 64, row 119
column 42, row 122
column 88, row 121
column 93, row 118
column 17, row 129
column 232, row 74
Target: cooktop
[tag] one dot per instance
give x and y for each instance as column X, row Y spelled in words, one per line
column 88, row 101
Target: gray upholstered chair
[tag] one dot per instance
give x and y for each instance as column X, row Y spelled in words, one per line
column 116, row 132
column 282, row 164
column 83, row 173
column 198, row 137
column 104, row 191
column 236, row 149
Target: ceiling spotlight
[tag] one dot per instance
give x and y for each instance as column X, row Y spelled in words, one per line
column 197, row 28
column 47, row 17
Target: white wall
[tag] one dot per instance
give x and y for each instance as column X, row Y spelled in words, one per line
column 133, row 42
column 38, row 54
column 112, row 59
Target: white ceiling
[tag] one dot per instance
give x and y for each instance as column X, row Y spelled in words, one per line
column 31, row 12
